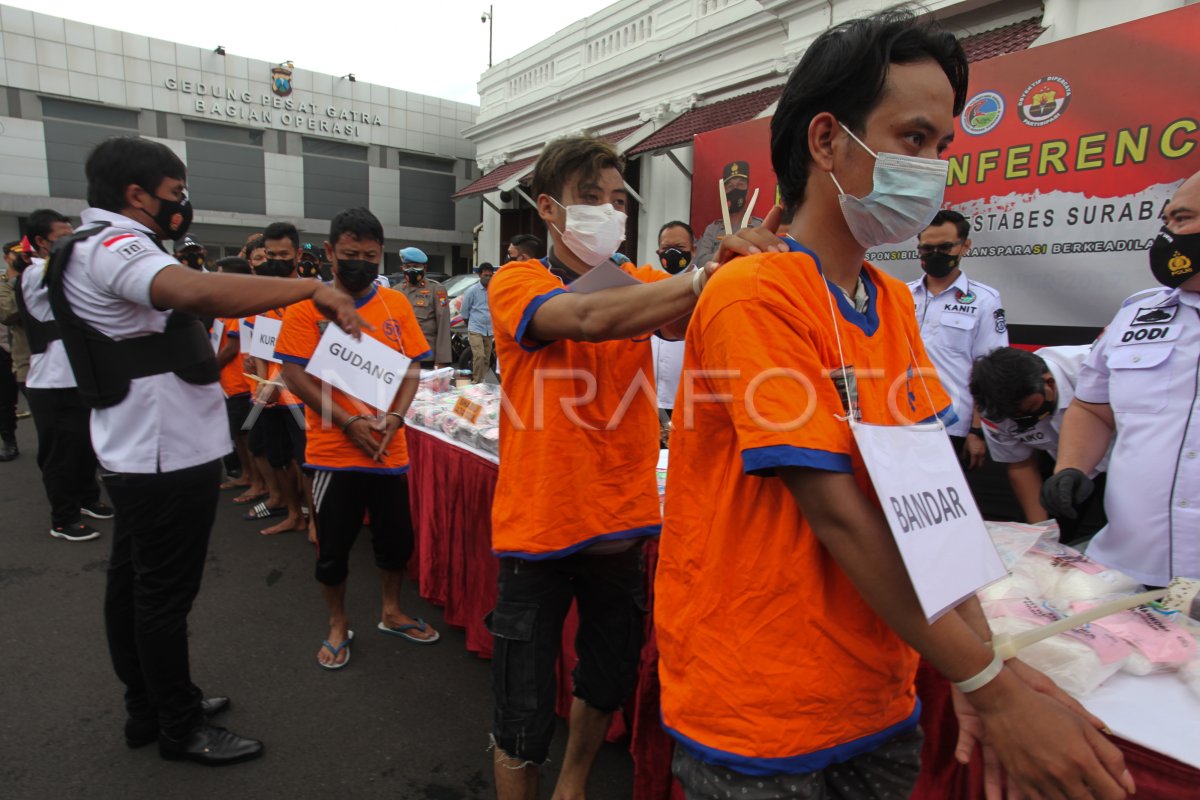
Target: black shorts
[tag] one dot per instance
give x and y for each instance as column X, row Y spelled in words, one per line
column 283, row 437
column 341, row 499
column 237, row 408
column 534, row 598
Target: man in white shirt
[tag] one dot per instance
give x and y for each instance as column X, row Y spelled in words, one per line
column 960, row 320
column 65, row 455
column 676, row 253
column 1023, row 398
column 147, row 369
column 1138, row 393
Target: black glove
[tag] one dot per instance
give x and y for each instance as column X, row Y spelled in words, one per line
column 1063, row 491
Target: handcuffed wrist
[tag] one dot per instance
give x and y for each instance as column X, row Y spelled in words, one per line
column 346, row 425
column 984, row 677
column 698, row 280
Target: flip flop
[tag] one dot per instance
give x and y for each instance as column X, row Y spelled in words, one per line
column 263, row 511
column 419, row 625
column 336, row 651
column 254, row 498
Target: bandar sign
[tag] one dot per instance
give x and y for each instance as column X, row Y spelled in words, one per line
column 274, row 109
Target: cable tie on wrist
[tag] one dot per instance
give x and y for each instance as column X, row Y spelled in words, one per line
column 986, row 676
column 698, row 280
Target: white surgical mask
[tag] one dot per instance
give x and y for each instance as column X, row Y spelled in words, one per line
column 907, row 195
column 593, row 233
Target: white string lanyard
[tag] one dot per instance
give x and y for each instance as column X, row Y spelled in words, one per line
column 851, row 414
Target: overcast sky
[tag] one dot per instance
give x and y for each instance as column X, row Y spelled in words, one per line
column 435, row 47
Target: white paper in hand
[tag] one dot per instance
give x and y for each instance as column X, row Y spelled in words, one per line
column 933, row 516
column 366, row 369
column 266, row 331
column 217, row 335
column 245, row 337
column 606, row 276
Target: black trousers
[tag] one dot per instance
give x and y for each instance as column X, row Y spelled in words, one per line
column 160, row 540
column 8, row 399
column 65, row 454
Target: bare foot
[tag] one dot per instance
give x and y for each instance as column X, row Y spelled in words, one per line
column 339, row 635
column 396, row 620
column 290, row 524
column 235, row 484
column 312, row 530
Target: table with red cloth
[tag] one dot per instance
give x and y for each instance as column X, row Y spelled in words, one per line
column 451, row 488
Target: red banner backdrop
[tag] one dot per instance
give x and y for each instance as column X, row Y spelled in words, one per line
column 1065, row 156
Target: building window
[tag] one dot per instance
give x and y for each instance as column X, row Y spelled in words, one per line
column 225, row 168
column 72, row 130
column 336, row 177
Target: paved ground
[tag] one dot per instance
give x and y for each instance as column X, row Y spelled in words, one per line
column 402, row 721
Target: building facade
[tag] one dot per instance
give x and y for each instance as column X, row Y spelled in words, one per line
column 650, row 74
column 263, row 142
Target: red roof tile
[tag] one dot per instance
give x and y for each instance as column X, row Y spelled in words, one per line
column 707, row 118
column 1009, row 39
column 494, row 178
column 505, row 171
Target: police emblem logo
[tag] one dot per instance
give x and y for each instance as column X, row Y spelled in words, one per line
column 1001, row 322
column 1179, row 264
column 1044, row 101
column 1154, row 316
column 964, row 298
column 982, row 113
column 281, row 79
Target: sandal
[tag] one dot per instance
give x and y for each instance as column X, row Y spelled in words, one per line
column 400, row 630
column 263, row 511
column 337, row 651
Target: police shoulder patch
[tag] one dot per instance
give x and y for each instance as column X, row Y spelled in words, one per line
column 1001, row 322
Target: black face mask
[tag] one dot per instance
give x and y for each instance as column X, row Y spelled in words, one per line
column 939, row 265
column 356, row 274
column 674, row 259
column 174, row 217
column 276, row 268
column 1175, row 257
column 1027, row 421
column 193, row 260
column 414, row 275
column 736, row 199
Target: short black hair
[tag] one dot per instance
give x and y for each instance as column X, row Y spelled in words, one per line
column 116, row 163
column 844, row 73
column 579, row 157
column 282, row 230
column 359, row 223
column 676, row 223
column 255, row 243
column 960, row 222
column 41, row 222
column 234, row 264
column 488, row 266
column 1003, row 378
column 528, row 244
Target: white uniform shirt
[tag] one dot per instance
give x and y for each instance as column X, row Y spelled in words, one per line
column 1008, row 445
column 668, row 366
column 1146, row 366
column 51, row 369
column 958, row 325
column 164, row 424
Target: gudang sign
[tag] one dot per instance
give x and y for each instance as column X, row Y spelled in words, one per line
column 271, row 108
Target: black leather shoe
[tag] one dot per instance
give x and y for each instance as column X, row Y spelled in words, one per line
column 209, row 745
column 8, row 451
column 141, row 732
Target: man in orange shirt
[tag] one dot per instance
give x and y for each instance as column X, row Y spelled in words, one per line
column 282, row 430
column 236, row 387
column 359, row 453
column 786, row 621
column 579, row 391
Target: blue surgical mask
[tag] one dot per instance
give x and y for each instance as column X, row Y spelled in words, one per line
column 907, row 194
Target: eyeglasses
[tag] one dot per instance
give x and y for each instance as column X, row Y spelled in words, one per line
column 944, row 248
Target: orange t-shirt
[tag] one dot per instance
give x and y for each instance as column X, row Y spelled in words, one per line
column 746, row 598
column 395, row 326
column 274, row 371
column 579, row 429
column 233, row 374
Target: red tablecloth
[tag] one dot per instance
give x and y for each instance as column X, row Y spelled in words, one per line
column 451, row 491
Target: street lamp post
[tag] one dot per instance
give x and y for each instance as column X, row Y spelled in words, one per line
column 487, row 17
